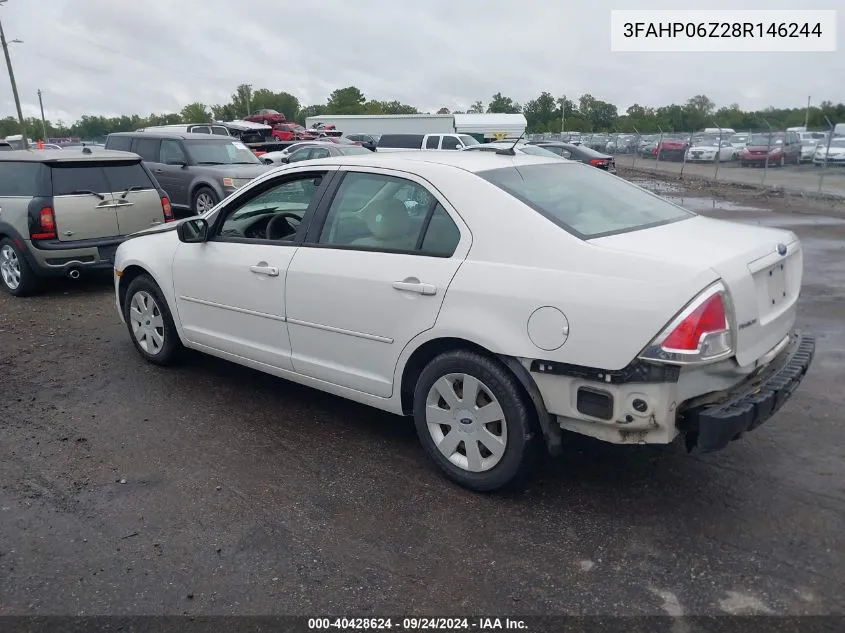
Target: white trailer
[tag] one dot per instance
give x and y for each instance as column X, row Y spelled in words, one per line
column 387, row 123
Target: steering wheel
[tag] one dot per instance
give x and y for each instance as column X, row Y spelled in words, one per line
column 268, row 232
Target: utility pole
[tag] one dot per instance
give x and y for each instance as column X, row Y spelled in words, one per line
column 12, row 79
column 807, row 113
column 248, row 106
column 562, row 116
column 43, row 120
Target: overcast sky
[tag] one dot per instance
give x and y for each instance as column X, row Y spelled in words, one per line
column 115, row 57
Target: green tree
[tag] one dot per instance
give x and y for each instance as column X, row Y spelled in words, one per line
column 309, row 111
column 502, row 104
column 195, row 113
column 284, row 102
column 541, row 112
column 476, row 108
column 443, row 111
column 226, row 112
column 349, row 100
column 242, row 101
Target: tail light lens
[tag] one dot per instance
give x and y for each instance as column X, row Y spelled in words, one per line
column 599, row 162
column 46, row 225
column 166, row 209
column 701, row 332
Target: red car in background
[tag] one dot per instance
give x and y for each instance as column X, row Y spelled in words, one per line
column 291, row 132
column 671, row 148
column 267, row 117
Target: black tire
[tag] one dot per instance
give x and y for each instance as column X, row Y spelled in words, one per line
column 172, row 348
column 522, row 439
column 30, row 282
column 203, row 191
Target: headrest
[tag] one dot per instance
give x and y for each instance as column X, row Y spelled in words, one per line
column 388, row 220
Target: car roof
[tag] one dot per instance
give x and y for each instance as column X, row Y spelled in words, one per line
column 66, row 155
column 173, row 134
column 467, row 161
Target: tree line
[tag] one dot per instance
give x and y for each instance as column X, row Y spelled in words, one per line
column 543, row 114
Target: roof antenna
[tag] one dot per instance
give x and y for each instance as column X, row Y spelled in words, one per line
column 86, row 150
column 509, row 151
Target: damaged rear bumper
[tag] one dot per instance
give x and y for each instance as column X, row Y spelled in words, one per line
column 711, row 427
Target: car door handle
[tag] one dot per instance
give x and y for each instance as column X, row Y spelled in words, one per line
column 270, row 271
column 415, row 286
column 159, row 171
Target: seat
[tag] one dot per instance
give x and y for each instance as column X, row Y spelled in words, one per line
column 389, row 225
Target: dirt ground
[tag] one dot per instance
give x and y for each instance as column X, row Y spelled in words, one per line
column 208, row 488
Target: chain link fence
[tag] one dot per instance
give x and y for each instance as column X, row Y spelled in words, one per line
column 811, row 161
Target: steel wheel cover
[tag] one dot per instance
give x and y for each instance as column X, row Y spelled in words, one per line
column 147, row 322
column 10, row 267
column 466, row 422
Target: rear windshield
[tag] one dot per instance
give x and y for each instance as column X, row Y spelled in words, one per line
column 584, row 201
column 222, row 152
column 401, row 140
column 99, row 177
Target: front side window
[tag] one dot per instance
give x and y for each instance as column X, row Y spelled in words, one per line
column 468, row 140
column 300, row 154
column 172, row 153
column 450, row 142
column 432, row 142
column 220, row 152
column 272, row 214
column 319, row 152
column 584, row 201
column 386, row 213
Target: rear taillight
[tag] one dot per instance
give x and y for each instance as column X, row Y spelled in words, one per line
column 166, row 209
column 46, row 225
column 700, row 333
column 599, row 162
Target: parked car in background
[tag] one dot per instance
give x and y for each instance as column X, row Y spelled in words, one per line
column 65, row 211
column 808, row 148
column 520, row 297
column 366, row 140
column 6, row 147
column 291, row 132
column 710, row 150
column 409, row 142
column 579, row 153
column 738, row 141
column 189, row 128
column 672, row 148
column 196, row 170
column 323, row 150
column 834, row 154
column 773, row 149
column 275, row 158
column 266, row 116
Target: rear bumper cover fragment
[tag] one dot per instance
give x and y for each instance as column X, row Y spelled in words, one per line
column 715, row 426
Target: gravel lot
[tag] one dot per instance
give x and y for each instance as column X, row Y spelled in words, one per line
column 213, row 489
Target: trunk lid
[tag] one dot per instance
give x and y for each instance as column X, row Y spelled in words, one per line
column 763, row 279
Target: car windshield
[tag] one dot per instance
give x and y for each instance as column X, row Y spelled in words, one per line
column 584, row 201
column 707, row 142
column 739, row 138
column 354, row 149
column 810, row 142
column 838, row 142
column 468, row 140
column 765, row 139
column 222, row 152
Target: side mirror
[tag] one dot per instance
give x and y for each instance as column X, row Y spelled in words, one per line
column 284, row 159
column 193, row 231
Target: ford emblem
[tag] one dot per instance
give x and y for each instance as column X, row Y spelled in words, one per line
column 781, row 249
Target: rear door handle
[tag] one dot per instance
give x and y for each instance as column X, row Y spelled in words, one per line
column 270, row 271
column 159, row 171
column 415, row 286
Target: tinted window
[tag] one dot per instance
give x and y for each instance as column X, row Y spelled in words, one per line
column 300, row 154
column 219, row 130
column 121, row 143
column 220, row 152
column 432, row 142
column 442, row 235
column 122, row 176
column 377, row 212
column 200, row 129
column 146, row 148
column 584, row 201
column 19, row 179
column 172, row 153
column 450, row 142
column 410, row 141
column 319, row 152
column 68, row 179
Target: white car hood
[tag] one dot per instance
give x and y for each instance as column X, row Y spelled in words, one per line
column 742, row 256
column 703, row 148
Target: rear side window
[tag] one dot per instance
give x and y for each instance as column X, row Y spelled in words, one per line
column 119, row 143
column 432, row 142
column 410, row 141
column 76, row 179
column 20, row 180
column 147, row 148
column 124, row 176
column 584, row 201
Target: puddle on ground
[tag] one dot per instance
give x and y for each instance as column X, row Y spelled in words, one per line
column 656, row 186
column 710, row 204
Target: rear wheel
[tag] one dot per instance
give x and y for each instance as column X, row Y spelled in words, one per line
column 150, row 322
column 473, row 421
column 204, row 199
column 16, row 275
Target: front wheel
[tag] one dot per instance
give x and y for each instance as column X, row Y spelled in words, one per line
column 150, row 322
column 204, row 199
column 473, row 421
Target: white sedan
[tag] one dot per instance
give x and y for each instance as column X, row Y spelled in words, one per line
column 517, row 298
column 711, row 152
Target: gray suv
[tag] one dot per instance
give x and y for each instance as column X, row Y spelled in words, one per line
column 63, row 212
column 196, row 170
